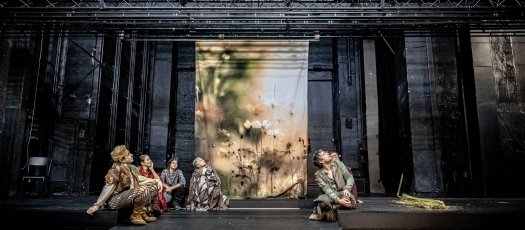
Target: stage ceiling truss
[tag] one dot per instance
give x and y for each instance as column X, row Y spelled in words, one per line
column 254, row 19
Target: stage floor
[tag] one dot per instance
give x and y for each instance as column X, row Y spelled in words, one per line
column 59, row 212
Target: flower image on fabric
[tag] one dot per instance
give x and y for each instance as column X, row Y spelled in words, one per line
column 251, row 115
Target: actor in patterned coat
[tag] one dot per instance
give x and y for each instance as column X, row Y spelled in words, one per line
column 125, row 187
column 205, row 189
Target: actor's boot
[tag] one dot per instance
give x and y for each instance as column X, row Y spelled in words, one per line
column 136, row 216
column 145, row 216
column 315, row 216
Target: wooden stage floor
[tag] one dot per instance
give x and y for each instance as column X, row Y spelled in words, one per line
column 68, row 212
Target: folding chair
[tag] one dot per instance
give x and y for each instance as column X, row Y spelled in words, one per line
column 38, row 169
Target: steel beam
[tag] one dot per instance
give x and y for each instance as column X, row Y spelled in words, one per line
column 287, row 19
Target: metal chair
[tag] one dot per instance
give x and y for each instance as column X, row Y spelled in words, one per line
column 38, row 169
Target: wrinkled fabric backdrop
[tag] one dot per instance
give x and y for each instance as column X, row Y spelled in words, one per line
column 251, row 115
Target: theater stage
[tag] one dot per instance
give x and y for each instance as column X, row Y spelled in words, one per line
column 59, row 212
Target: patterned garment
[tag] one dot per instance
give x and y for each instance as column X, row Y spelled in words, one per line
column 127, row 190
column 160, row 203
column 143, row 194
column 205, row 191
column 171, row 179
column 122, row 177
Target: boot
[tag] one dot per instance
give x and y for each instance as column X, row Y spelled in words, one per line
column 136, row 216
column 146, row 217
column 315, row 216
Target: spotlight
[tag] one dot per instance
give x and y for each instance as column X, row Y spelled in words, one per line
column 317, row 36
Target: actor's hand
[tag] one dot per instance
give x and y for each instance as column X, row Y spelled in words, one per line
column 345, row 202
column 150, row 167
column 346, row 193
column 92, row 210
column 177, row 186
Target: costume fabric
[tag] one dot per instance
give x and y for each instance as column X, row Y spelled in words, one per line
column 205, row 191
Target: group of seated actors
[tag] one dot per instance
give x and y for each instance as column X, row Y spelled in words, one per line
column 150, row 194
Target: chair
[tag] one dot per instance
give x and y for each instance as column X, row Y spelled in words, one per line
column 38, row 169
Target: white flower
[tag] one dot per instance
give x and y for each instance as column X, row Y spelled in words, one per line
column 274, row 132
column 247, row 124
column 264, row 124
column 224, row 132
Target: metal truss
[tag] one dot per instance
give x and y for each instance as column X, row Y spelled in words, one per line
column 258, row 19
column 265, row 3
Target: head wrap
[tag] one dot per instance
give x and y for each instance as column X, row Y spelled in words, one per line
column 118, row 152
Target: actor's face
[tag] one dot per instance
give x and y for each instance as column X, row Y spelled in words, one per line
column 128, row 158
column 201, row 163
column 174, row 164
column 334, row 155
column 147, row 162
column 325, row 156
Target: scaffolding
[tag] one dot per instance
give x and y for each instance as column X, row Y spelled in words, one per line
column 257, row 19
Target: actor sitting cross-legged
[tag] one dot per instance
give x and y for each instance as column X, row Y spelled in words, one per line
column 335, row 182
column 125, row 187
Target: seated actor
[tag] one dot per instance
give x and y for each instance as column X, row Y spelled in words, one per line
column 336, row 183
column 205, row 189
column 174, row 183
column 146, row 169
column 125, row 187
column 336, row 156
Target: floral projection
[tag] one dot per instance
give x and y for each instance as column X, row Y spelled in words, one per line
column 251, row 115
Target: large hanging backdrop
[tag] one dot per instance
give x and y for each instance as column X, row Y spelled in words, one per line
column 251, row 115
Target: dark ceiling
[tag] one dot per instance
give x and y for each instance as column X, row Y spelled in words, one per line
column 273, row 19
